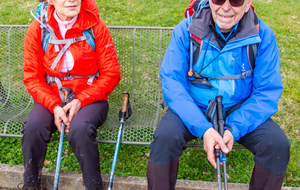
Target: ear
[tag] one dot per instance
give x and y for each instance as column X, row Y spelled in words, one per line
column 249, row 3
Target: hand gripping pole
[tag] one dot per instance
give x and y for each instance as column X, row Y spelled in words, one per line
column 68, row 97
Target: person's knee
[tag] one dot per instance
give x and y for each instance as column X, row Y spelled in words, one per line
column 167, row 145
column 276, row 143
column 273, row 152
column 281, row 148
column 81, row 130
column 168, row 137
column 169, row 141
column 33, row 129
column 170, row 131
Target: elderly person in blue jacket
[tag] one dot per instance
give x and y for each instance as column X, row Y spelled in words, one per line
column 223, row 31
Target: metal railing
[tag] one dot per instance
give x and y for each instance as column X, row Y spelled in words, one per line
column 140, row 52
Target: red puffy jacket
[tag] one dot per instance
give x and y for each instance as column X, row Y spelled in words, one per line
column 86, row 61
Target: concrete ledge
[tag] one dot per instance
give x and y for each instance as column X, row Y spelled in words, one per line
column 10, row 177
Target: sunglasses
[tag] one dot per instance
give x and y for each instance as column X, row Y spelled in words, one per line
column 234, row 3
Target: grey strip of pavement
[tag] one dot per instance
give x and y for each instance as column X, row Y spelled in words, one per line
column 11, row 176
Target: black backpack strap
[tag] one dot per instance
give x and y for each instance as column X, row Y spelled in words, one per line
column 253, row 48
column 252, row 53
column 197, row 47
column 198, row 44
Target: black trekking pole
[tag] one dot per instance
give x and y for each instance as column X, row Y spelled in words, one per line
column 221, row 131
column 211, row 115
column 68, row 97
column 217, row 152
column 122, row 115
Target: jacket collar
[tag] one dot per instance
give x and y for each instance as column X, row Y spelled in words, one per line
column 87, row 18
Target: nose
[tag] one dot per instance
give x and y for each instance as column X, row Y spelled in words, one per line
column 226, row 6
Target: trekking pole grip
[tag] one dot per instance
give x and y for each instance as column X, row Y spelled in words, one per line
column 125, row 102
column 220, row 114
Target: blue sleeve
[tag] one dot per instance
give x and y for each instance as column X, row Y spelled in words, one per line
column 267, row 88
column 173, row 73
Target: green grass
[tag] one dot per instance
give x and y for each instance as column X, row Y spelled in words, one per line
column 132, row 160
column 113, row 12
column 282, row 17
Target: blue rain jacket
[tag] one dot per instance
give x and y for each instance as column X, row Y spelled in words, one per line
column 259, row 92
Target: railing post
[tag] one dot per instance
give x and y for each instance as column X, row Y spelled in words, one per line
column 133, row 69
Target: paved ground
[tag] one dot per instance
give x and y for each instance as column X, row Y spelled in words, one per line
column 10, row 177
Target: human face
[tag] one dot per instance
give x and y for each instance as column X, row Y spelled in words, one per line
column 226, row 16
column 66, row 9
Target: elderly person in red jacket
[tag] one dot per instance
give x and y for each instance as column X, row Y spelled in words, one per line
column 91, row 72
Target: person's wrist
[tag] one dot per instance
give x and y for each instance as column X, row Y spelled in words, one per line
column 206, row 132
column 55, row 108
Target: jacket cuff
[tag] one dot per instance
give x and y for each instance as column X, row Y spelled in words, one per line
column 84, row 99
column 51, row 109
column 201, row 135
column 234, row 131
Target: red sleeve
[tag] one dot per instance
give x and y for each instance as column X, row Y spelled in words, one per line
column 109, row 71
column 34, row 74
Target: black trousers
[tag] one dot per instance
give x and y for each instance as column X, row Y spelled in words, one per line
column 39, row 127
column 268, row 143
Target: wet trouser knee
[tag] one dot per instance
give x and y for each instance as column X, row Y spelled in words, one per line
column 39, row 127
column 268, row 143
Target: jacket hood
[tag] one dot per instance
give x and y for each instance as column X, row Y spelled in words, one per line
column 87, row 18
